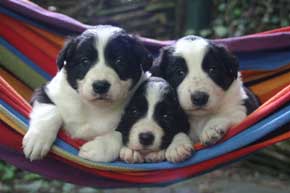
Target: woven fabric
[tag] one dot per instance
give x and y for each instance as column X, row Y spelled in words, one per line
column 30, row 39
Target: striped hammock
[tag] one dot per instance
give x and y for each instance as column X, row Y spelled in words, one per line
column 30, row 40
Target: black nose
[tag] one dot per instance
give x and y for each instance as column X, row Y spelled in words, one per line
column 199, row 98
column 101, row 86
column 146, row 138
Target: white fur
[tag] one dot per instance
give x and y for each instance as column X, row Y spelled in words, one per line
column 180, row 148
column 103, row 148
column 131, row 156
column 224, row 108
column 155, row 156
column 80, row 115
column 44, row 125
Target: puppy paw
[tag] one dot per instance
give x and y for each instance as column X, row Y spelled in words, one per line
column 213, row 132
column 131, row 156
column 37, row 144
column 101, row 150
column 180, row 148
column 156, row 156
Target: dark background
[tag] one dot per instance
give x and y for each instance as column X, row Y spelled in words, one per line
column 170, row 19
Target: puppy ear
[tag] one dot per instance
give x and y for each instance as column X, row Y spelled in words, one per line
column 229, row 61
column 161, row 62
column 66, row 52
column 144, row 54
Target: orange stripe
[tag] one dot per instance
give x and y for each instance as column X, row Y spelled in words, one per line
column 268, row 88
column 250, row 75
column 57, row 40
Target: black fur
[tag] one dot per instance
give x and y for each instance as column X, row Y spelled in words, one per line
column 252, row 102
column 171, row 68
column 220, row 65
column 80, row 55
column 167, row 113
column 41, row 96
column 125, row 54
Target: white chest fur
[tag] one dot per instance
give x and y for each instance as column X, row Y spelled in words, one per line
column 81, row 119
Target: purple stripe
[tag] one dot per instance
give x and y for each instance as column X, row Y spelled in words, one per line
column 236, row 44
column 54, row 169
column 37, row 13
column 257, row 42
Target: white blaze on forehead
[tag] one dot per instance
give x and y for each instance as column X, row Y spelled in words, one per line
column 103, row 34
column 154, row 93
column 192, row 51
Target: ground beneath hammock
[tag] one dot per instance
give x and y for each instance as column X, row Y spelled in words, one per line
column 233, row 179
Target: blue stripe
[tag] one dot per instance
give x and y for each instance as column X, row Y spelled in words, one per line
column 244, row 138
column 58, row 142
column 26, row 60
column 264, row 60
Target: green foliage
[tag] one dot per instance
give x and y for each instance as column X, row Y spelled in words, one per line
column 7, row 172
column 236, row 18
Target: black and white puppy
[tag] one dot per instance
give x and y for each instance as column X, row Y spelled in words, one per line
column 99, row 71
column 154, row 126
column 208, row 86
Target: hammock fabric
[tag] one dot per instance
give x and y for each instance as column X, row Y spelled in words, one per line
column 30, row 40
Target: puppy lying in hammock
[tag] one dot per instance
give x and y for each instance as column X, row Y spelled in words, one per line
column 154, row 127
column 99, row 71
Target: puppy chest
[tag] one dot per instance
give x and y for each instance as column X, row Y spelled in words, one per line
column 89, row 125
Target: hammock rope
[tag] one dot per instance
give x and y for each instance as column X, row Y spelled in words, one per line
column 30, row 40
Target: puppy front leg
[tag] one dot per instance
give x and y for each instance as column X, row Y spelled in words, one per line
column 215, row 129
column 180, row 148
column 45, row 121
column 104, row 148
column 155, row 156
column 130, row 156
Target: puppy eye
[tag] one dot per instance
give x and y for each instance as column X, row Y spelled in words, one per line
column 134, row 111
column 165, row 116
column 211, row 69
column 118, row 61
column 85, row 61
column 181, row 73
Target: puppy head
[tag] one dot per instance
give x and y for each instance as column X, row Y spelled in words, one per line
column 200, row 71
column 152, row 117
column 104, row 63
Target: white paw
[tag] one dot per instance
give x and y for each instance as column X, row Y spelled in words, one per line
column 36, row 144
column 156, row 156
column 130, row 156
column 178, row 153
column 100, row 150
column 213, row 131
column 180, row 148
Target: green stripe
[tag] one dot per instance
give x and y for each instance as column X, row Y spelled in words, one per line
column 21, row 70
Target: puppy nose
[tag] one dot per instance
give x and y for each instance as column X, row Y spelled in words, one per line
column 146, row 138
column 101, row 86
column 199, row 98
